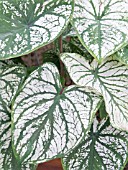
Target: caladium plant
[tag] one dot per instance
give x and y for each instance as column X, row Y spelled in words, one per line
column 42, row 116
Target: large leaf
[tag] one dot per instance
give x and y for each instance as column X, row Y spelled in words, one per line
column 49, row 120
column 110, row 79
column 104, row 148
column 28, row 25
column 102, row 26
column 10, row 80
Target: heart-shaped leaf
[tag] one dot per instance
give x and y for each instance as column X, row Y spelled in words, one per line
column 10, row 80
column 49, row 120
column 102, row 26
column 28, row 25
column 110, row 79
column 104, row 148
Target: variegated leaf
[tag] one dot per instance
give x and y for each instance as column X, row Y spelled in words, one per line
column 28, row 25
column 102, row 26
column 7, row 159
column 122, row 55
column 104, row 148
column 5, row 135
column 10, row 80
column 110, row 79
column 49, row 120
column 74, row 46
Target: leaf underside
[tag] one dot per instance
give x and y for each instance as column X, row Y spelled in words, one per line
column 49, row 122
column 101, row 26
column 104, row 148
column 27, row 25
column 109, row 78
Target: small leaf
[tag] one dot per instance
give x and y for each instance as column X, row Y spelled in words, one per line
column 122, row 55
column 110, row 79
column 28, row 25
column 74, row 46
column 49, row 120
column 102, row 26
column 104, row 148
column 10, row 79
column 102, row 111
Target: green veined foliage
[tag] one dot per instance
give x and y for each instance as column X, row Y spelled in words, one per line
column 28, row 25
column 109, row 78
column 49, row 120
column 10, row 79
column 102, row 26
column 104, row 148
column 122, row 55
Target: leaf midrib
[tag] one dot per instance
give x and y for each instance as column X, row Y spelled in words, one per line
column 38, row 131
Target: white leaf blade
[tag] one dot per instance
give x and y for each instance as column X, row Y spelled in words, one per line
column 39, row 124
column 103, row 148
column 5, row 135
column 110, row 79
column 29, row 24
column 101, row 28
column 10, row 79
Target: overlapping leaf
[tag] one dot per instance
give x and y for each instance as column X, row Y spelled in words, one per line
column 49, row 120
column 110, row 79
column 74, row 46
column 7, row 159
column 10, row 79
column 104, row 148
column 28, row 25
column 102, row 26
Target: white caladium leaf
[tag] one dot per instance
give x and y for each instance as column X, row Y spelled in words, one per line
column 7, row 159
column 102, row 26
column 5, row 135
column 110, row 79
column 104, row 148
column 28, row 25
column 49, row 120
column 10, row 80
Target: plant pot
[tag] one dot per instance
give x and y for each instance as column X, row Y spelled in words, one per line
column 51, row 165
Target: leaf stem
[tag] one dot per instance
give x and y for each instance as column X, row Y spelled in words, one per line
column 62, row 73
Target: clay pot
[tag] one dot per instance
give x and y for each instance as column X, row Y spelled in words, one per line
column 51, row 165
